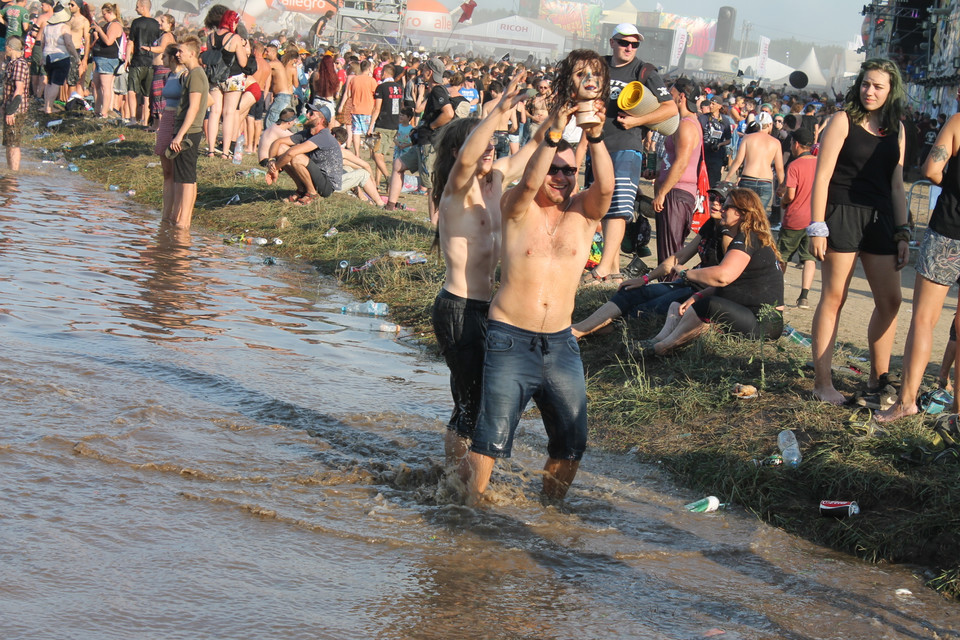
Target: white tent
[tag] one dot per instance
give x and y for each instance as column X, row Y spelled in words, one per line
column 811, row 67
column 774, row 69
column 626, row 12
column 515, row 33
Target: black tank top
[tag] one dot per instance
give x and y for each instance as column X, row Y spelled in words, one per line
column 946, row 216
column 229, row 57
column 864, row 170
column 100, row 50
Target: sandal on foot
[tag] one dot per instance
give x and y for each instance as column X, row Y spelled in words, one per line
column 590, row 278
column 296, row 197
column 307, row 199
column 617, row 278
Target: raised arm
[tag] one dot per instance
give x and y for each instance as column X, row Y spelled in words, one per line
column 478, row 141
column 516, row 201
column 596, row 198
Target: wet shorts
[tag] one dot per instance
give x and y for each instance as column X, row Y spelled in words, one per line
column 460, row 325
column 939, row 258
column 520, row 365
column 13, row 134
column 185, row 164
column 855, row 228
column 792, row 241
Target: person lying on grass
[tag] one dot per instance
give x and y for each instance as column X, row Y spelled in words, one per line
column 732, row 293
column 642, row 295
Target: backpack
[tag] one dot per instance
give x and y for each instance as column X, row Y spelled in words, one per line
column 213, row 65
column 701, row 212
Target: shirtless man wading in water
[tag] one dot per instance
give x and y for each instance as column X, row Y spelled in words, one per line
column 467, row 197
column 531, row 352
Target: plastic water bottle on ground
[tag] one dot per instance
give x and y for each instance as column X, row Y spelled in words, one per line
column 255, row 240
column 74, row 168
column 789, row 448
column 368, row 308
column 796, row 336
column 238, row 150
column 116, row 140
column 113, row 187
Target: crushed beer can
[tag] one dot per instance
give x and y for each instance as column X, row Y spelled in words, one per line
column 770, row 461
column 839, row 508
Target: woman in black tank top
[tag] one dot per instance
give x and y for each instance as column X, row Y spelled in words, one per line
column 222, row 22
column 938, row 266
column 858, row 208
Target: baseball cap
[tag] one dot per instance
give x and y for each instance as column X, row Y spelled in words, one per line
column 720, row 191
column 627, row 29
column 323, row 109
column 803, row 137
column 435, row 70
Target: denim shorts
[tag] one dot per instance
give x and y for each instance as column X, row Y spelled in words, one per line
column 460, row 325
column 106, row 66
column 763, row 188
column 520, row 365
column 939, row 258
column 655, row 298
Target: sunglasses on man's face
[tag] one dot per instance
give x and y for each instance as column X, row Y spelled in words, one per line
column 567, row 171
column 627, row 44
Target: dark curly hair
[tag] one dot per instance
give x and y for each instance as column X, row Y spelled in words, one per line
column 563, row 83
column 214, row 16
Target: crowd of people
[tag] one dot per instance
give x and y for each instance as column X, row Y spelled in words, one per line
column 759, row 176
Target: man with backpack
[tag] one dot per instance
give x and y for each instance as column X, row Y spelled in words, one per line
column 623, row 136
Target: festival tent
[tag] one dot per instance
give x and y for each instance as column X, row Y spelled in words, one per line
column 774, row 69
column 429, row 21
column 811, row 67
column 515, row 33
column 626, row 12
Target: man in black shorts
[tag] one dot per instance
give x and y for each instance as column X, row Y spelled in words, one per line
column 144, row 31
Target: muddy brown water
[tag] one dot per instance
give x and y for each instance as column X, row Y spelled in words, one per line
column 198, row 445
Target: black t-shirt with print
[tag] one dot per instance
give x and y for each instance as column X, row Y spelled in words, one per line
column 391, row 96
column 616, row 137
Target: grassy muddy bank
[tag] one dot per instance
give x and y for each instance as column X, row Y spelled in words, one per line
column 678, row 411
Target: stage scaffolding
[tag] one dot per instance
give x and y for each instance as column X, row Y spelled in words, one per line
column 374, row 22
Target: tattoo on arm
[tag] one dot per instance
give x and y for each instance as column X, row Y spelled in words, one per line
column 939, row 153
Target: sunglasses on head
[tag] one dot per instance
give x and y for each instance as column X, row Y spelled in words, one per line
column 567, row 171
column 627, row 44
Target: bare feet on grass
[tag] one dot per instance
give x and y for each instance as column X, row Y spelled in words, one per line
column 828, row 394
column 897, row 411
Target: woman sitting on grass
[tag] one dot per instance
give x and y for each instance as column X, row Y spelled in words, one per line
column 639, row 295
column 734, row 292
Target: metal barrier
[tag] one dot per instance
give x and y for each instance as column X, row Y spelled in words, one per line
column 922, row 194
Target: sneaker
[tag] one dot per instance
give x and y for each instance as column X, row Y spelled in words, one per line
column 935, row 401
column 802, row 303
column 879, row 400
